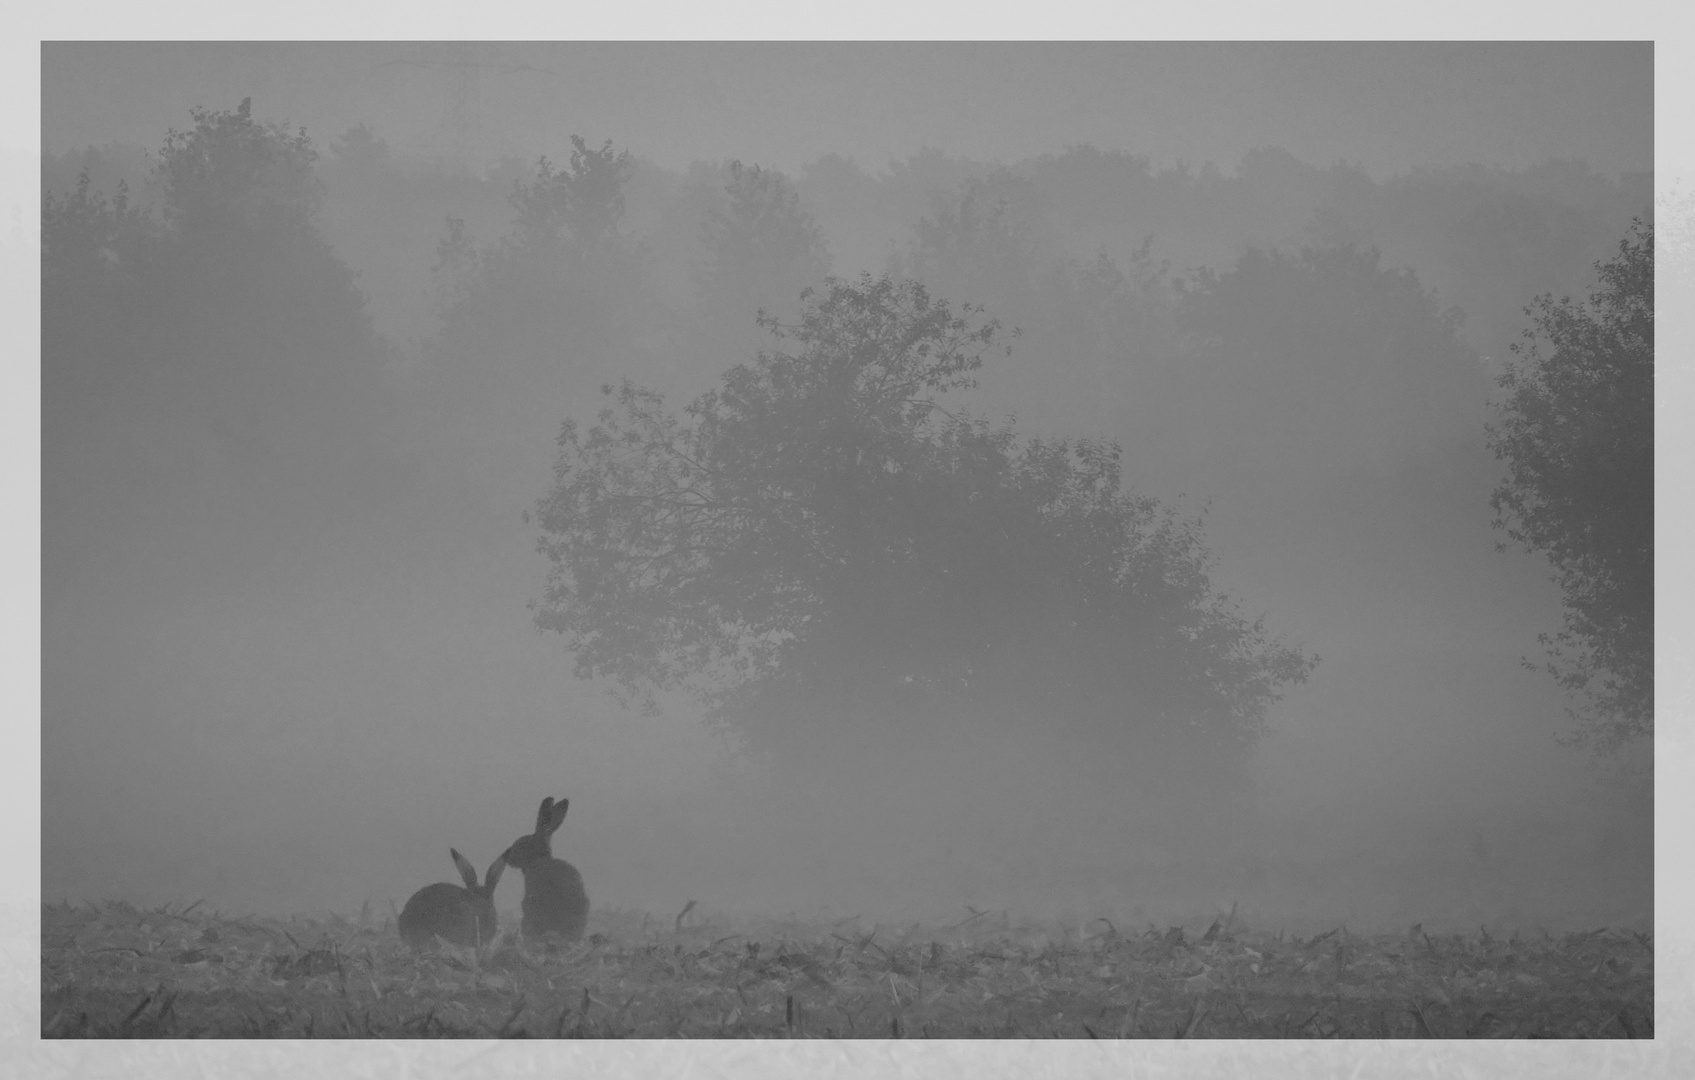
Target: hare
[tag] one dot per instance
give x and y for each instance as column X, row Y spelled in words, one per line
column 554, row 900
column 464, row 916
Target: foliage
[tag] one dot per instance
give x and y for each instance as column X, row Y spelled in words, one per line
column 1577, row 434
column 1100, row 324
column 822, row 548
column 595, row 186
column 582, row 204
column 989, row 244
column 1318, row 363
column 233, row 173
column 206, row 364
column 761, row 249
column 520, row 316
column 363, row 160
column 238, row 308
column 96, row 255
column 279, row 338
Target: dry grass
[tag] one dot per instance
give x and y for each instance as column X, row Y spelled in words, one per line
column 114, row 971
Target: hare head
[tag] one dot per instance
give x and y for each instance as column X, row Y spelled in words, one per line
column 529, row 850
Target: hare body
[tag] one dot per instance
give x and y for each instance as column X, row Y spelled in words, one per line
column 554, row 898
column 462, row 915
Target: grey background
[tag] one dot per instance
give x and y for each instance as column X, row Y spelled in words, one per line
column 318, row 741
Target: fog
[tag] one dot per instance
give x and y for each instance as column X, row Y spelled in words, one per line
column 288, row 653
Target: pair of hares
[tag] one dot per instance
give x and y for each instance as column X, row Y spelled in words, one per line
column 554, row 900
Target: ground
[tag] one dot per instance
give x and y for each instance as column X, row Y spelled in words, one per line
column 113, row 970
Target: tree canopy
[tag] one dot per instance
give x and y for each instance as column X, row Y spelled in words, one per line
column 758, row 250
column 821, row 547
column 207, row 361
column 1321, row 362
column 523, row 317
column 1577, row 434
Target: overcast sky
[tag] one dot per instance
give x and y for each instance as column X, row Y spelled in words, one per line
column 1387, row 106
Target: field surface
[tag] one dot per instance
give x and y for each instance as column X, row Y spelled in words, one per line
column 114, row 971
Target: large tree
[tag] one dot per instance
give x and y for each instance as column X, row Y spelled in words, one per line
column 523, row 313
column 1577, row 433
column 831, row 554
column 990, row 241
column 1308, row 366
column 208, row 367
column 532, row 318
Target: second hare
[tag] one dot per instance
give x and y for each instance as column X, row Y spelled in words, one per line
column 554, row 900
column 464, row 916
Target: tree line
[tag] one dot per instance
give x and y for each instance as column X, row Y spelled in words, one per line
column 831, row 541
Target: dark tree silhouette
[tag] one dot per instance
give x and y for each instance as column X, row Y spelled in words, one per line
column 1577, row 434
column 828, row 553
column 208, row 368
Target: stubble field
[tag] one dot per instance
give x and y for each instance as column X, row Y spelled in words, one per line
column 115, row 971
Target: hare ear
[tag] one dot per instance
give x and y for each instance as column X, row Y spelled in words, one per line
column 544, row 817
column 559, row 809
column 495, row 869
column 466, row 870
